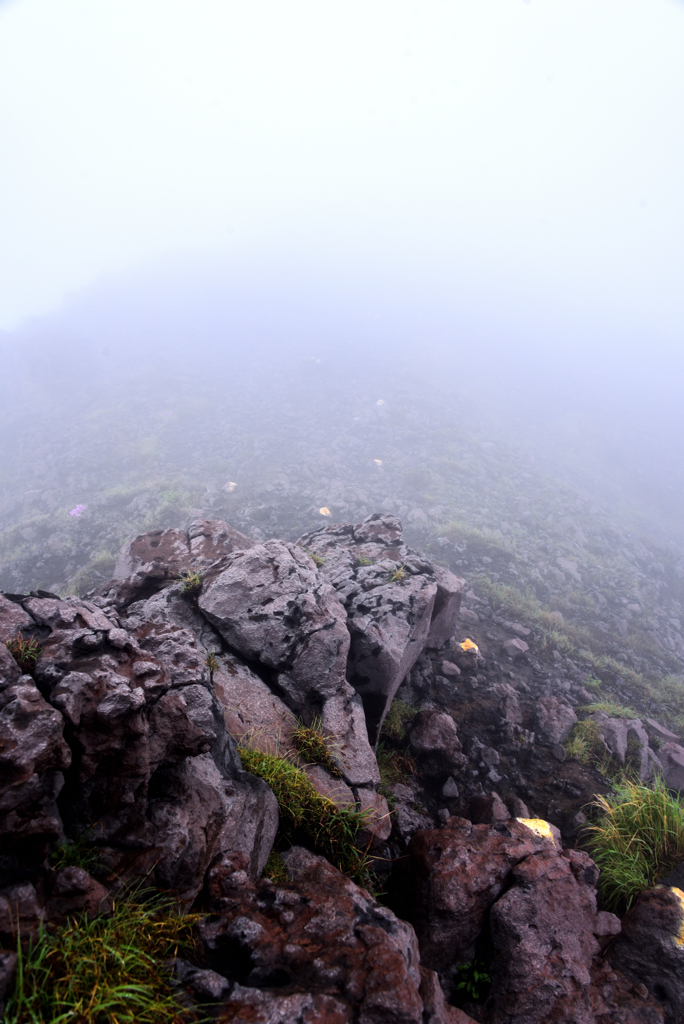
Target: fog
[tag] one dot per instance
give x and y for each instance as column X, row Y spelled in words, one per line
column 245, row 242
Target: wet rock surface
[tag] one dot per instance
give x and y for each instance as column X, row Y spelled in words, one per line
column 125, row 731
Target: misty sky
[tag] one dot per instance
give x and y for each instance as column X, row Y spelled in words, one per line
column 526, row 155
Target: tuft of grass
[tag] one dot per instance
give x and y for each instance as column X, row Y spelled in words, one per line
column 308, row 818
column 396, row 766
column 190, row 581
column 275, row 869
column 610, row 707
column 76, row 853
column 106, row 971
column 317, row 560
column 585, row 743
column 312, row 746
column 638, row 839
column 25, row 652
column 364, row 561
column 211, row 661
column 398, row 575
column 398, row 714
column 592, row 683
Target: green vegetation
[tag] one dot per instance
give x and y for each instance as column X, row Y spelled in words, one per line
column 585, row 744
column 211, row 662
column 190, row 581
column 396, row 766
column 398, row 575
column 364, row 561
column 312, row 745
column 612, row 709
column 109, row 970
column 275, row 869
column 25, row 652
column 308, row 818
column 592, row 683
column 76, row 853
column 638, row 839
column 474, row 980
column 399, row 713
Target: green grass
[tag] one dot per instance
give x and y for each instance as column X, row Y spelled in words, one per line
column 638, row 839
column 585, row 744
column 611, row 708
column 398, row 575
column 76, row 853
column 275, row 869
column 106, row 971
column 399, row 713
column 24, row 652
column 309, row 819
column 190, row 581
column 312, row 745
column 396, row 766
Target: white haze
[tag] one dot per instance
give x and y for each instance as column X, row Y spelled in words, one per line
column 522, row 161
column 485, row 192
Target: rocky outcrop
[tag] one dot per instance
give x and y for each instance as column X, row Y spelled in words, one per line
column 459, row 872
column 397, row 604
column 554, row 720
column 616, row 734
column 273, row 608
column 120, row 737
column 318, row 946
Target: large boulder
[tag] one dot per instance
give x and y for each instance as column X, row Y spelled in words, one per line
column 33, row 759
column 152, row 765
column 317, row 943
column 152, row 560
column 616, row 734
column 459, row 872
column 650, row 948
column 545, row 931
column 397, row 604
column 273, row 607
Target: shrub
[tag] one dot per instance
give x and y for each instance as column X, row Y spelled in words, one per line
column 110, row 969
column 312, row 746
column 25, row 652
column 308, row 818
column 638, row 839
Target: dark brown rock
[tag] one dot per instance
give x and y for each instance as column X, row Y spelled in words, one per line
column 547, row 967
column 650, row 948
column 74, row 891
column 319, row 937
column 459, row 872
column 33, row 758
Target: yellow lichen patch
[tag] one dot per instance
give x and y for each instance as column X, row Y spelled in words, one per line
column 468, row 645
column 540, row 827
column 325, row 511
column 679, row 939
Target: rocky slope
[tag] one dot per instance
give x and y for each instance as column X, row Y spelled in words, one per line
column 122, row 729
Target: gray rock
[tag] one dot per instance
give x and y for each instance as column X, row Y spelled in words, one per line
column 515, row 647
column 434, row 741
column 275, row 609
column 391, row 621
column 554, row 720
column 616, row 733
column 13, row 619
column 671, row 756
column 8, row 970
column 33, row 758
column 204, row 985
